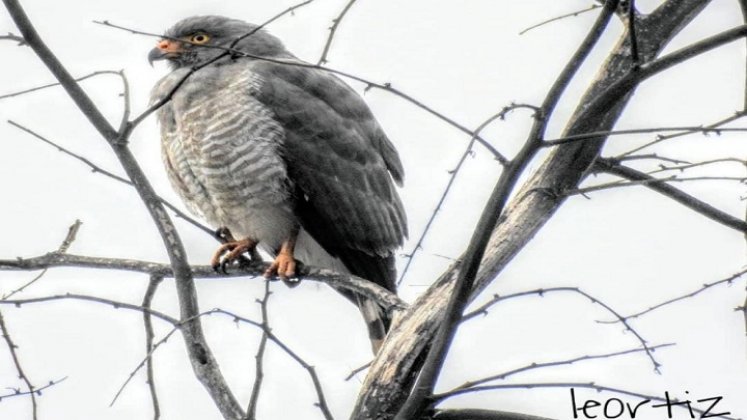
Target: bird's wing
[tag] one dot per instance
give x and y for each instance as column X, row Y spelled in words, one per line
column 340, row 161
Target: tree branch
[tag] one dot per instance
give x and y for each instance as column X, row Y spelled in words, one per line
column 388, row 300
column 662, row 187
column 251, row 411
column 729, row 280
column 150, row 292
column 72, row 232
column 32, row 391
column 332, row 29
column 97, row 169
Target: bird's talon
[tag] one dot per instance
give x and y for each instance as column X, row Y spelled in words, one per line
column 230, row 252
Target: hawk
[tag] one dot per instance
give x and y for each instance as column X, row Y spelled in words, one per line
column 284, row 155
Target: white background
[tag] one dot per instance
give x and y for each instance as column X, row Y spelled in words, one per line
column 629, row 247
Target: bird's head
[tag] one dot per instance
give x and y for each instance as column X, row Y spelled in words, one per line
column 198, row 39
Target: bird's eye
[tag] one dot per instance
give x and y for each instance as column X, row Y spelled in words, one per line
column 199, row 38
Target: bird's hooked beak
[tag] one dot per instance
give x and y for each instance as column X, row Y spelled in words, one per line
column 165, row 49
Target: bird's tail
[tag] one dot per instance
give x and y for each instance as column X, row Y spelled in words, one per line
column 377, row 321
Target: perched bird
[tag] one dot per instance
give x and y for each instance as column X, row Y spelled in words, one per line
column 285, row 156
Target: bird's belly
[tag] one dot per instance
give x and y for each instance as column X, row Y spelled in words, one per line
column 270, row 225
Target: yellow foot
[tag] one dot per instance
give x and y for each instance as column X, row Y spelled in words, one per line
column 230, row 252
column 284, row 266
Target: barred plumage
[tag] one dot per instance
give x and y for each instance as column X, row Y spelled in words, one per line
column 284, row 155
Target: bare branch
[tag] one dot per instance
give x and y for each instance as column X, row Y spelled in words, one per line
column 541, row 365
column 557, row 18
column 609, row 166
column 32, row 391
column 72, row 231
column 651, row 180
column 388, row 300
column 682, row 166
column 575, row 290
column 603, row 134
column 453, row 174
column 713, row 126
column 49, row 85
column 14, row 38
column 97, row 169
column 251, row 411
column 728, row 281
column 75, row 296
column 322, row 404
column 357, row 370
column 332, row 29
column 19, row 393
column 150, row 292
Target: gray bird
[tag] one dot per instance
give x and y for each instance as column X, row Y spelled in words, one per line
column 284, row 156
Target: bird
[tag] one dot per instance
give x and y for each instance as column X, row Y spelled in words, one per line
column 280, row 155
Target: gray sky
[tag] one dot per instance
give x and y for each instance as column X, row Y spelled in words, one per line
column 629, row 247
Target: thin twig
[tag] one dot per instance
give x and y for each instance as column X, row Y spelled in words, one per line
column 322, row 403
column 652, row 156
column 738, row 115
column 72, row 232
column 357, row 370
column 19, row 393
column 729, row 280
column 652, row 180
column 452, row 177
column 609, row 166
column 150, row 292
column 32, row 391
column 541, row 365
column 602, row 134
column 15, row 38
column 687, row 165
column 251, row 410
column 76, row 296
column 483, row 310
column 557, row 18
column 175, row 327
column 49, row 85
column 97, row 169
column 332, row 29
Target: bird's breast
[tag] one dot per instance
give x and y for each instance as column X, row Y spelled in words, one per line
column 225, row 150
